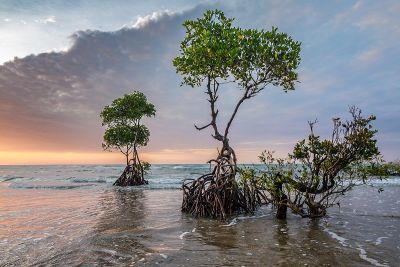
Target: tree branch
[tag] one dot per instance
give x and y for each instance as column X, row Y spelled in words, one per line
column 244, row 97
column 212, row 94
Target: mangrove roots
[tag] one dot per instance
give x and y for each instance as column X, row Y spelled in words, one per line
column 132, row 175
column 217, row 194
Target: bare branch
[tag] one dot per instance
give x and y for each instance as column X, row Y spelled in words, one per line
column 244, row 97
column 212, row 95
column 202, row 128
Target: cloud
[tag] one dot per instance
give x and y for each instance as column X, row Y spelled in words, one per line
column 51, row 101
column 142, row 22
column 50, row 19
column 369, row 56
column 46, row 20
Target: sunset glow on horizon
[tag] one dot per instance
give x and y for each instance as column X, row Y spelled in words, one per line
column 167, row 156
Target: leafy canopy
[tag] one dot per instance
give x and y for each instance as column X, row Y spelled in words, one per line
column 214, row 49
column 128, row 110
column 319, row 171
column 124, row 131
column 125, row 135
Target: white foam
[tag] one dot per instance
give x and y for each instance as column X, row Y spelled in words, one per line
column 363, row 255
column 233, row 222
column 341, row 240
column 183, row 234
column 108, row 251
column 178, row 167
column 237, row 219
column 379, row 240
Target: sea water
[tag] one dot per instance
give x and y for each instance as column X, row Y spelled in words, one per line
column 71, row 215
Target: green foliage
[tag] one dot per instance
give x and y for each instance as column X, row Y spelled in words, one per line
column 206, row 49
column 124, row 131
column 214, row 49
column 127, row 110
column 146, row 166
column 214, row 52
column 319, row 171
column 122, row 135
column 265, row 57
column 385, row 169
column 248, row 175
column 352, row 144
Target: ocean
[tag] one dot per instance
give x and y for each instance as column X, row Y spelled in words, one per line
column 71, row 215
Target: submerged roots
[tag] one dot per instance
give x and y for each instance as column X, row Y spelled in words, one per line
column 218, row 195
column 132, row 175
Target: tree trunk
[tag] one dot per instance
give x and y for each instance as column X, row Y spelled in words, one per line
column 133, row 174
column 281, row 201
column 282, row 208
column 315, row 209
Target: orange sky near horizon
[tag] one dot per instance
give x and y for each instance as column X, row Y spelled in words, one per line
column 165, row 156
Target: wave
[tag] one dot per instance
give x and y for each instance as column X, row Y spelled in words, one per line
column 9, row 178
column 149, row 186
column 379, row 240
column 236, row 220
column 181, row 236
column 161, row 176
column 340, row 239
column 179, row 167
column 393, row 180
column 49, row 186
column 91, row 180
column 78, row 180
column 103, row 168
column 363, row 255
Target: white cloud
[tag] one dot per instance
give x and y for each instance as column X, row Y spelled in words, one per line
column 154, row 17
column 50, row 19
column 369, row 56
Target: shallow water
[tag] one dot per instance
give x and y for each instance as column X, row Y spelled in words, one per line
column 71, row 215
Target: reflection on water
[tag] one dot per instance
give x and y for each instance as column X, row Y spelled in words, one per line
column 117, row 236
column 133, row 227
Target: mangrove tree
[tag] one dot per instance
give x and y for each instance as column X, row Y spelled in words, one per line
column 215, row 54
column 127, row 134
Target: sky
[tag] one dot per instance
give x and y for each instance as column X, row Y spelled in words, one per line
column 61, row 62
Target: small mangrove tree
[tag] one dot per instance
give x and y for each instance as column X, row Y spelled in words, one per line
column 127, row 134
column 320, row 171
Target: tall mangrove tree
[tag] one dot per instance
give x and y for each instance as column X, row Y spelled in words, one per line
column 215, row 54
